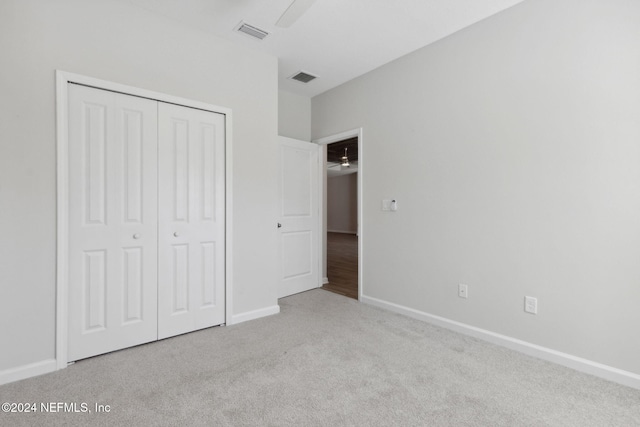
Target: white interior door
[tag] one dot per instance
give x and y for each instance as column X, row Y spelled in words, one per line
column 191, row 220
column 112, row 221
column 299, row 216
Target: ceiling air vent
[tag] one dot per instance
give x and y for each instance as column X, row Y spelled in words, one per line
column 302, row 77
column 252, row 31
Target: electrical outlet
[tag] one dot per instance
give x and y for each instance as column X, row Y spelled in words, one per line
column 463, row 291
column 531, row 305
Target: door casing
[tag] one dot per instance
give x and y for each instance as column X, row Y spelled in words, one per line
column 323, row 200
column 63, row 79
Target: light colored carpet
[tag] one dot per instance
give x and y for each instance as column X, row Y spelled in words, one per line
column 325, row 360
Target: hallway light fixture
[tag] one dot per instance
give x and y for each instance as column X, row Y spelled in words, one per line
column 345, row 159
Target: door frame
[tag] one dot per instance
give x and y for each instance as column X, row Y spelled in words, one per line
column 324, row 141
column 63, row 79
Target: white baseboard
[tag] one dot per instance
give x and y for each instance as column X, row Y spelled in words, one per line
column 342, row 231
column 325, row 280
column 255, row 314
column 610, row 373
column 27, row 371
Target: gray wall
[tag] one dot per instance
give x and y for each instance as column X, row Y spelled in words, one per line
column 342, row 203
column 513, row 149
column 294, row 116
column 115, row 41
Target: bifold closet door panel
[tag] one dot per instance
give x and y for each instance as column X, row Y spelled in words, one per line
column 191, row 258
column 112, row 221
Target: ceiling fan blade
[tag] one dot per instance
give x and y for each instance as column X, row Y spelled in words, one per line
column 295, row 10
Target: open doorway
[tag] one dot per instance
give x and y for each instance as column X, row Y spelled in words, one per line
column 341, row 212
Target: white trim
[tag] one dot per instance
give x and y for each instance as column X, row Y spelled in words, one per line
column 63, row 79
column 27, row 371
column 67, row 77
column 256, row 314
column 325, row 281
column 610, row 373
column 62, row 232
column 340, row 137
column 228, row 216
column 328, row 140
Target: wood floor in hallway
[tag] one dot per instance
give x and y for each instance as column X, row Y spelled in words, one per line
column 342, row 264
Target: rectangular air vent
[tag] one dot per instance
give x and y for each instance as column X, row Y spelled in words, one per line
column 302, row 77
column 252, row 31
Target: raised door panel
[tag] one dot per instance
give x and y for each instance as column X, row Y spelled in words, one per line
column 112, row 221
column 299, row 217
column 191, row 220
column 296, row 181
column 94, row 292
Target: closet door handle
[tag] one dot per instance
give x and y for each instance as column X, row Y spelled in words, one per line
column 136, row 236
column 176, row 234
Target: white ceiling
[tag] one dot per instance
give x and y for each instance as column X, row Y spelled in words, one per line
column 337, row 40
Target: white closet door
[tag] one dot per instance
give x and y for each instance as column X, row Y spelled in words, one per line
column 112, row 221
column 191, row 276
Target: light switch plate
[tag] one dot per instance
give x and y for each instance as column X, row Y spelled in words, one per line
column 531, row 305
column 463, row 291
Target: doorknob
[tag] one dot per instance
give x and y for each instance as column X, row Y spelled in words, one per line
column 279, row 225
column 136, row 236
column 176, row 234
